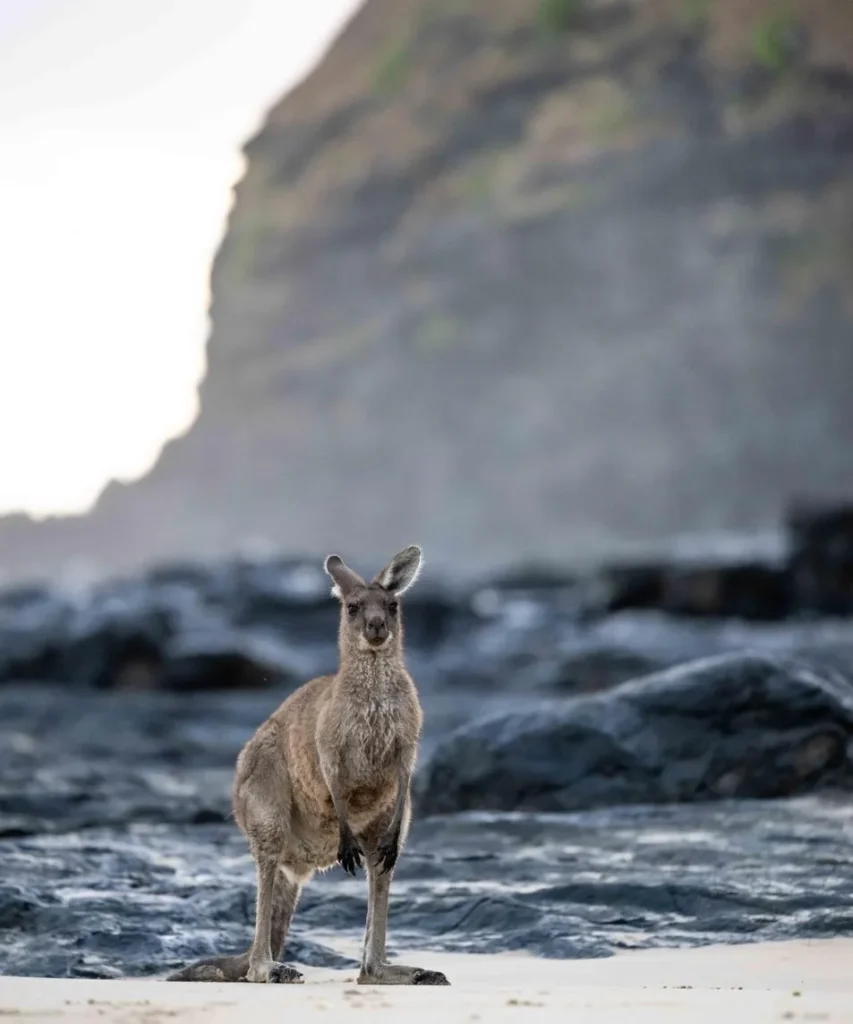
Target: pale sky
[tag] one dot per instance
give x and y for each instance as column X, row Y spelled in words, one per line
column 120, row 128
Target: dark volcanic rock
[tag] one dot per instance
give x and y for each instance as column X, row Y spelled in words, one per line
column 247, row 625
column 169, row 633
column 148, row 899
column 118, row 854
column 732, row 726
column 822, row 558
column 753, row 590
column 534, row 643
column 72, row 760
column 223, row 626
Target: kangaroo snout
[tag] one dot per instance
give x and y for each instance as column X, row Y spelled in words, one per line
column 376, row 629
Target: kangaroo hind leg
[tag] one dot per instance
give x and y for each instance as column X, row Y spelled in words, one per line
column 263, row 809
column 375, row 970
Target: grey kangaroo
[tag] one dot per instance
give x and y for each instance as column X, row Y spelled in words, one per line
column 327, row 779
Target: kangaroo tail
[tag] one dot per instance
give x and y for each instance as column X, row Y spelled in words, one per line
column 215, row 968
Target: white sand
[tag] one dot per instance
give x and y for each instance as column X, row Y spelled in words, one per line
column 786, row 981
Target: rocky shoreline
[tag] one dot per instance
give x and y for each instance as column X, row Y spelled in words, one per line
column 640, row 755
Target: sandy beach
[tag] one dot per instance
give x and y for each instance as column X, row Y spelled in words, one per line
column 784, row 981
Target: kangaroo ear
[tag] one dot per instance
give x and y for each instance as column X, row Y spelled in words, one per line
column 402, row 571
column 345, row 580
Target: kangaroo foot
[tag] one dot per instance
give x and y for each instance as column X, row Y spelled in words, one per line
column 274, row 974
column 398, row 974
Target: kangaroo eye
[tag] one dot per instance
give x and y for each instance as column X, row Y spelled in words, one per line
column 392, row 607
column 352, row 609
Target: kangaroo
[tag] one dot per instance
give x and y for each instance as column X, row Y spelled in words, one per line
column 326, row 779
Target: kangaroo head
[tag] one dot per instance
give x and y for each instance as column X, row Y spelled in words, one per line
column 370, row 612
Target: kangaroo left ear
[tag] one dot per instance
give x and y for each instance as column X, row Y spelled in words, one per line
column 402, row 571
column 345, row 580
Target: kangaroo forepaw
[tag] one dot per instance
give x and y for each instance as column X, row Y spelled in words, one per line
column 349, row 853
column 387, row 853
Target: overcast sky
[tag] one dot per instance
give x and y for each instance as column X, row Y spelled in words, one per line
column 120, row 128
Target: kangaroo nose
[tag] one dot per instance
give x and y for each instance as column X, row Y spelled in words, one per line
column 375, row 623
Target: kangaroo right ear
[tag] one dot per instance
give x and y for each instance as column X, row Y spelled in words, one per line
column 402, row 571
column 344, row 578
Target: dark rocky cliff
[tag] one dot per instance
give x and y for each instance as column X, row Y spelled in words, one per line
column 507, row 277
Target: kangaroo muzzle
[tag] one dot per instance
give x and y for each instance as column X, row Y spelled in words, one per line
column 376, row 631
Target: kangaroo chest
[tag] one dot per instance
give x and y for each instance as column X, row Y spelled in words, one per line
column 375, row 727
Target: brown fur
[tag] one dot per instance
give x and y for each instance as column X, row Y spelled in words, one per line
column 326, row 779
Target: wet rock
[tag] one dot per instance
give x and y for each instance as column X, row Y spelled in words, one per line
column 290, row 597
column 748, row 589
column 244, row 624
column 230, row 626
column 129, row 636
column 739, row 725
column 674, row 824
column 230, row 660
column 33, row 625
column 118, row 845
column 822, row 558
column 148, row 899
column 528, row 648
column 71, row 760
column 19, row 908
